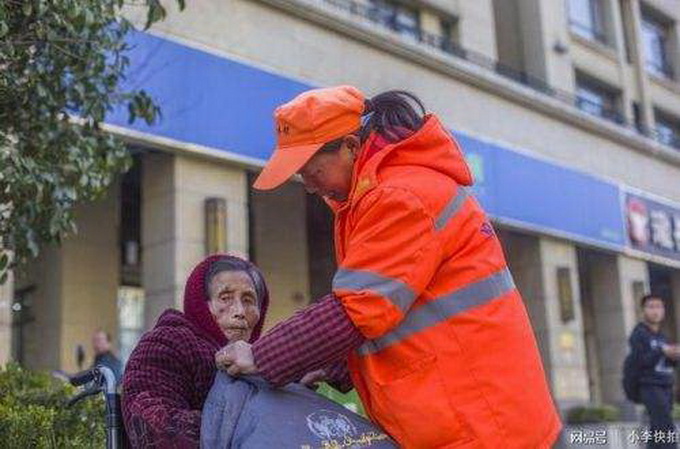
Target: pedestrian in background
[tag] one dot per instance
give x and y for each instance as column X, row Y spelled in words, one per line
column 103, row 354
column 654, row 359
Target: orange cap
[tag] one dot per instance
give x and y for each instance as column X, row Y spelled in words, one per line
column 305, row 124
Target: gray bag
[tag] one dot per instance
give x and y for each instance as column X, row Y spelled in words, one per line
column 246, row 412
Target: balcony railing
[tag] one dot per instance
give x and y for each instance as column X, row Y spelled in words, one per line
column 599, row 110
column 366, row 12
column 670, row 139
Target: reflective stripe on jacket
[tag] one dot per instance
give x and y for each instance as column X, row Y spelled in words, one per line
column 451, row 359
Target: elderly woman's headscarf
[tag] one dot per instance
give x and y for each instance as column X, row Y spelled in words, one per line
column 196, row 294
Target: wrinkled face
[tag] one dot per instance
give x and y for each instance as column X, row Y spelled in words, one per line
column 234, row 304
column 329, row 174
column 654, row 311
column 100, row 343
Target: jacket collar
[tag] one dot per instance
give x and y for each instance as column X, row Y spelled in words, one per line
column 431, row 146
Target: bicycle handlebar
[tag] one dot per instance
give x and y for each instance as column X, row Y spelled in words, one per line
column 101, row 379
column 84, row 377
column 101, row 375
column 82, row 395
column 109, row 382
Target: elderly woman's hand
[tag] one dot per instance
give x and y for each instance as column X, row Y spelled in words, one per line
column 236, row 358
column 313, row 378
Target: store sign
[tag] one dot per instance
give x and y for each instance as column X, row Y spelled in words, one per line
column 226, row 106
column 524, row 191
column 653, row 227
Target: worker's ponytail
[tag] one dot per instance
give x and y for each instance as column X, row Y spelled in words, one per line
column 393, row 114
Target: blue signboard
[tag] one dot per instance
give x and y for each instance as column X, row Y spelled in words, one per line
column 206, row 99
column 227, row 105
column 653, row 226
column 529, row 191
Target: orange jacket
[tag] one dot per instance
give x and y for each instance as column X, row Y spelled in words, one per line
column 451, row 360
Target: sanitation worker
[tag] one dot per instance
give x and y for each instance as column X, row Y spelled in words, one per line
column 424, row 313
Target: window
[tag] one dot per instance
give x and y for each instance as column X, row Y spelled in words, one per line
column 596, row 99
column 449, row 36
column 130, row 319
column 668, row 130
column 400, row 18
column 586, row 18
column 655, row 42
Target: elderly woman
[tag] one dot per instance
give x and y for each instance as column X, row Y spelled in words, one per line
column 172, row 369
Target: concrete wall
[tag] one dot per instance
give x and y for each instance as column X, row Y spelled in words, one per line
column 630, row 272
column 274, row 39
column 42, row 334
column 6, row 299
column 609, row 331
column 597, row 60
column 608, row 293
column 320, row 240
column 568, row 356
column 174, row 190
column 476, row 27
column 509, row 38
column 523, row 256
column 533, row 262
column 675, row 299
column 158, row 235
column 542, row 26
column 279, row 231
column 73, row 289
column 89, row 279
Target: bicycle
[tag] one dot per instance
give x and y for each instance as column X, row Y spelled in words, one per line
column 101, row 379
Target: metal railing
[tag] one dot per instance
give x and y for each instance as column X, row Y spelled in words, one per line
column 671, row 141
column 367, row 12
column 600, row 110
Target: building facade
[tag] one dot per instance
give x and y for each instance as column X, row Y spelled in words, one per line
column 568, row 112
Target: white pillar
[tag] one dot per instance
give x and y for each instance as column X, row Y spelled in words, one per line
column 71, row 290
column 534, row 263
column 6, row 299
column 568, row 354
column 90, row 277
column 638, row 57
column 174, row 191
column 280, row 247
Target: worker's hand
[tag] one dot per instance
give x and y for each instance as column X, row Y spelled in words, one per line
column 671, row 351
column 236, row 359
column 312, row 379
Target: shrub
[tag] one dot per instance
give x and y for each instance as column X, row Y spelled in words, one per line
column 592, row 414
column 349, row 400
column 676, row 411
column 33, row 413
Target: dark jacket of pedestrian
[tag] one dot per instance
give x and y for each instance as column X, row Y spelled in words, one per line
column 655, row 368
column 109, row 360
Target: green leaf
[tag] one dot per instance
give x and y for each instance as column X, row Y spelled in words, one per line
column 156, row 13
column 56, row 163
column 4, row 261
